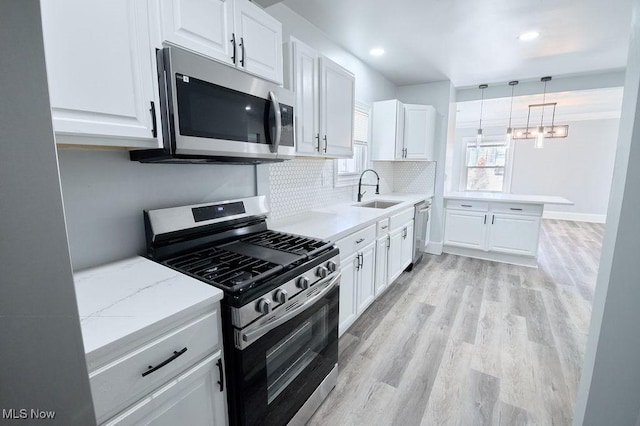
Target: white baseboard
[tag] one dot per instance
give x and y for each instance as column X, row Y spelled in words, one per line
column 434, row 248
column 578, row 217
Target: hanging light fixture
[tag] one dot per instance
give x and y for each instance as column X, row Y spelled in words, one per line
column 479, row 135
column 539, row 143
column 509, row 136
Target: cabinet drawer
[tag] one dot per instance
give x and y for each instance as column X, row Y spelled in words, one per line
column 400, row 219
column 349, row 245
column 118, row 384
column 383, row 227
column 517, row 208
column 479, row 206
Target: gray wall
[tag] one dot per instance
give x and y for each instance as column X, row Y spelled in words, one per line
column 442, row 96
column 105, row 194
column 579, row 167
column 609, row 392
column 42, row 356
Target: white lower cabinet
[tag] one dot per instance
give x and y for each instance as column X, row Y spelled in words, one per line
column 382, row 262
column 366, row 284
column 194, row 397
column 348, row 284
column 176, row 376
column 465, row 228
column 494, row 229
column 513, row 233
column 400, row 250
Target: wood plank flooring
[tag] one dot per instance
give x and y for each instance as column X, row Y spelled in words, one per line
column 461, row 341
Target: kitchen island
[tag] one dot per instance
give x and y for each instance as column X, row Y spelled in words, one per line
column 495, row 226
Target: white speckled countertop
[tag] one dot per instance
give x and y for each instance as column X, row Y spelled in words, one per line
column 119, row 302
column 339, row 220
column 511, row 198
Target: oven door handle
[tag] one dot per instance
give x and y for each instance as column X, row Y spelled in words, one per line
column 278, row 114
column 248, row 337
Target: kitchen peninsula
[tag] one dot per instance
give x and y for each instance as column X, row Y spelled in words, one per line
column 495, row 226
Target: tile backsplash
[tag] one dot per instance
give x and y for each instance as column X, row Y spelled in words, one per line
column 304, row 184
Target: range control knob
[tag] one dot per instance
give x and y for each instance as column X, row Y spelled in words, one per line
column 322, row 272
column 303, row 283
column 331, row 266
column 263, row 306
column 280, row 296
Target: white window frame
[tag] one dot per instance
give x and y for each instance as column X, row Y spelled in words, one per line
column 508, row 165
column 349, row 179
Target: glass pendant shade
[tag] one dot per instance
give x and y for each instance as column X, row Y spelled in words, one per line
column 539, row 143
column 509, row 137
column 478, row 138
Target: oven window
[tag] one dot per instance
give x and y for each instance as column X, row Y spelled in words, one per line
column 291, row 355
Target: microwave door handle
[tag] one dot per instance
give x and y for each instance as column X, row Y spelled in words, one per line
column 278, row 114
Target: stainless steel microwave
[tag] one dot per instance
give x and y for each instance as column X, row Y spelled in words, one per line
column 211, row 112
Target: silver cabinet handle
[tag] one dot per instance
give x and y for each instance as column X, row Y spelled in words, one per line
column 384, row 227
column 325, row 143
column 515, row 209
column 318, row 138
column 248, row 337
column 359, row 241
column 242, row 61
column 278, row 114
column 235, row 47
column 388, row 241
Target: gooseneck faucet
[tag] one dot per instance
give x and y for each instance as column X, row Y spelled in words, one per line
column 360, row 184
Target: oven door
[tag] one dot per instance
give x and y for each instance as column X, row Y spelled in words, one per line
column 282, row 367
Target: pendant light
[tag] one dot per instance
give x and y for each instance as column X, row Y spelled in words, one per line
column 509, row 136
column 539, row 143
column 479, row 135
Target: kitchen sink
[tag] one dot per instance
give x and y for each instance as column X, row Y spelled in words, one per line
column 378, row 204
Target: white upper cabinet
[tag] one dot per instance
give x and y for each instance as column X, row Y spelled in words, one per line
column 101, row 72
column 403, row 132
column 303, row 79
column 203, row 26
column 325, row 102
column 259, row 38
column 337, row 103
column 235, row 32
column 419, row 125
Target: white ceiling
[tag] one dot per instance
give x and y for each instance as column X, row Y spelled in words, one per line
column 572, row 106
column 474, row 41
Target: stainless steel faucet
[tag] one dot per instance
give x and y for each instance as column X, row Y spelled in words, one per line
column 360, row 184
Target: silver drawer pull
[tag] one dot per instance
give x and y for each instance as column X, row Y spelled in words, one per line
column 515, row 209
column 359, row 241
column 466, row 205
column 384, row 227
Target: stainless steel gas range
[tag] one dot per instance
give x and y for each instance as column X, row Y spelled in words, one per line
column 280, row 311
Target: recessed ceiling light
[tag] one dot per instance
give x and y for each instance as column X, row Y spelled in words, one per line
column 529, row 35
column 377, row 51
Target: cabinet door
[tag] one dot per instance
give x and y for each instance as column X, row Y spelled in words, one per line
column 387, row 129
column 366, row 283
column 348, row 284
column 382, row 261
column 419, row 125
column 259, row 38
column 395, row 267
column 305, row 84
column 407, row 245
column 101, row 70
column 465, row 229
column 337, row 102
column 515, row 234
column 193, row 397
column 203, row 26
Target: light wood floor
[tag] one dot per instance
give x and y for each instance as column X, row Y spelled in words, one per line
column 460, row 341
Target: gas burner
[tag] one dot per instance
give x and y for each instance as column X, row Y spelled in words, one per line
column 288, row 243
column 240, row 277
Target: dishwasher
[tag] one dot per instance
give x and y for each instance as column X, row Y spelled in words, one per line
column 421, row 230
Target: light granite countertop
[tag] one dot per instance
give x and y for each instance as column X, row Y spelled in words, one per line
column 510, row 198
column 336, row 221
column 120, row 302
